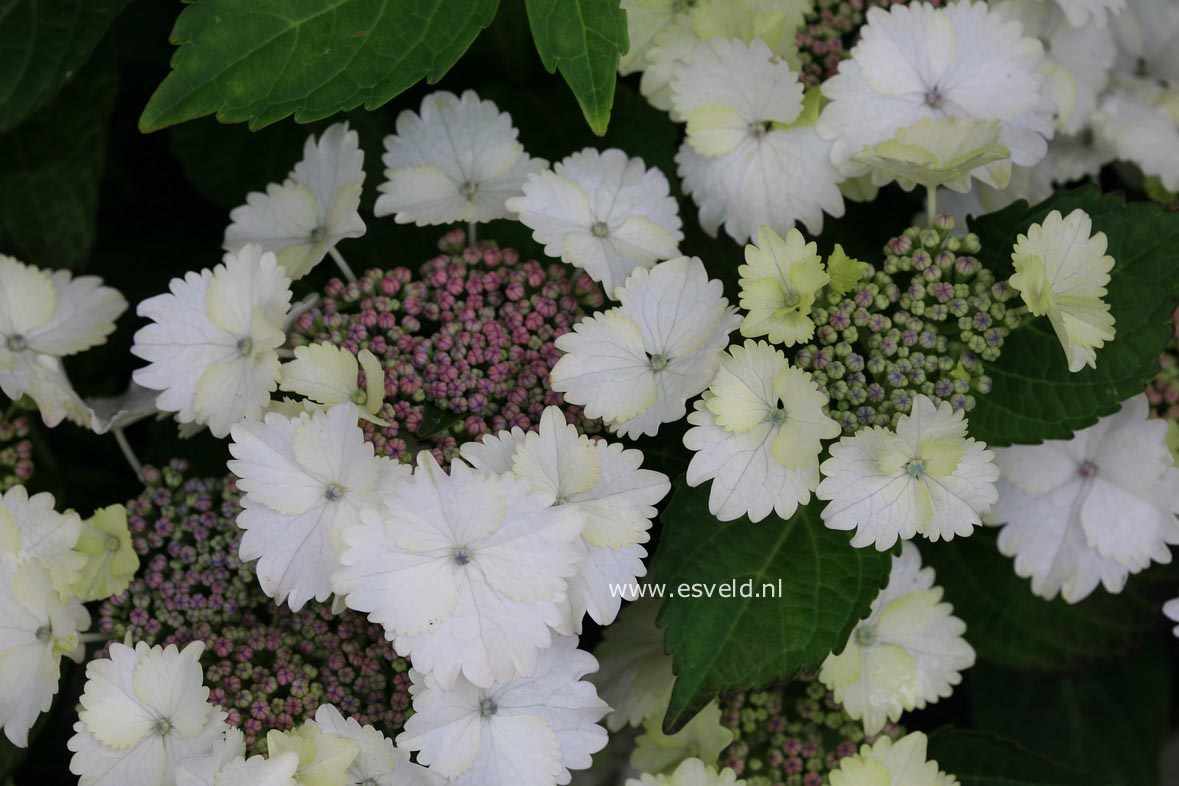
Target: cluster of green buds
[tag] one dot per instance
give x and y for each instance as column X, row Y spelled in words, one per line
column 923, row 322
column 16, row 452
column 793, row 735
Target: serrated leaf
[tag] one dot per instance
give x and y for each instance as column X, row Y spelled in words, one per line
column 50, row 167
column 1035, row 397
column 262, row 60
column 583, row 39
column 1007, row 624
column 43, row 43
column 723, row 644
column 981, row 758
column 1109, row 721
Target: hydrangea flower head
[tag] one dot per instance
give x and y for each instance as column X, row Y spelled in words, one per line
column 601, row 482
column 466, row 341
column 306, row 481
column 528, row 731
column 1092, row 509
column 917, row 61
column 456, row 160
column 636, row 365
column 267, row 666
column 602, row 212
column 757, row 434
column 907, row 653
column 45, row 316
column 143, row 710
column 690, row 772
column 315, row 208
column 38, row 626
column 211, row 345
column 779, row 282
column 1061, row 270
column 927, row 478
column 466, row 572
column 889, row 763
column 939, row 152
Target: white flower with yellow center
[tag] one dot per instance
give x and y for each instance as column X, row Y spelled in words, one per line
column 635, row 676
column 528, row 731
column 917, row 61
column 111, row 562
column 1092, row 509
column 757, row 434
column 213, row 340
column 602, row 212
column 703, row 737
column 779, row 282
column 144, row 709
column 939, row 152
column 636, row 365
column 45, row 316
column 378, row 762
column 887, row 763
column 909, row 652
column 30, row 529
column 330, row 375
column 225, row 764
column 690, row 772
column 458, row 160
column 1061, row 271
column 305, row 481
column 316, row 207
column 926, row 478
column 467, row 572
column 38, row 626
column 324, row 758
column 604, row 484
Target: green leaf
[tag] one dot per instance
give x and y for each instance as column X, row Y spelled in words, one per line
column 43, row 43
column 980, row 758
column 1007, row 624
column 1035, row 397
column 821, row 587
column 1109, row 722
column 583, row 39
column 265, row 59
column 50, row 167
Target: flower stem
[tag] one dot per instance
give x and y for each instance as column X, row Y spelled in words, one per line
column 128, row 453
column 340, row 263
column 472, row 233
column 930, row 204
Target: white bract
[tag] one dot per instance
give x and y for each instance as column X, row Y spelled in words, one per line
column 144, row 709
column 939, row 151
column 916, row 61
column 324, row 759
column 330, row 375
column 305, row 482
column 458, row 160
column 211, row 345
column 38, row 626
column 30, row 529
column 604, row 484
column 1061, row 271
column 1092, row 509
column 530, row 731
column 888, row 763
column 635, row 676
column 757, row 434
column 636, row 365
column 225, row 764
column 303, row 218
column 45, row 316
column 379, row 762
column 926, row 478
column 602, row 212
column 1143, row 130
column 910, row 651
column 467, row 572
column 779, row 281
column 690, row 772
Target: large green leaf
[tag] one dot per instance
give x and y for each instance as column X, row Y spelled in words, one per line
column 822, row 587
column 583, row 39
column 50, row 167
column 1009, row 625
column 261, row 60
column 42, row 44
column 980, row 758
column 1035, row 397
column 1108, row 721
